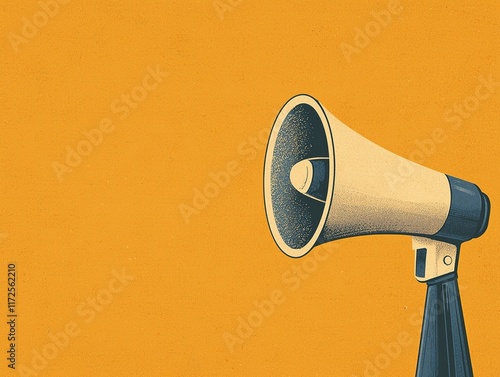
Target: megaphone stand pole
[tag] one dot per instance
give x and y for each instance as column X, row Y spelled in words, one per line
column 444, row 351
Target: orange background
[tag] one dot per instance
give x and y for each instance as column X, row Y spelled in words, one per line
column 228, row 77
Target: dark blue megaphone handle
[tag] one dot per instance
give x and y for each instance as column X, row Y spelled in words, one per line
column 444, row 351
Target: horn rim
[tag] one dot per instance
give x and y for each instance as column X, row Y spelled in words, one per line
column 278, row 122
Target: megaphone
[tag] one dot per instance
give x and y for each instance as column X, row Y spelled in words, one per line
column 323, row 182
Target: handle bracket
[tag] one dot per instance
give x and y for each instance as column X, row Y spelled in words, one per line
column 433, row 259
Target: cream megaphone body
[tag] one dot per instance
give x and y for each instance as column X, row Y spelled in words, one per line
column 323, row 181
